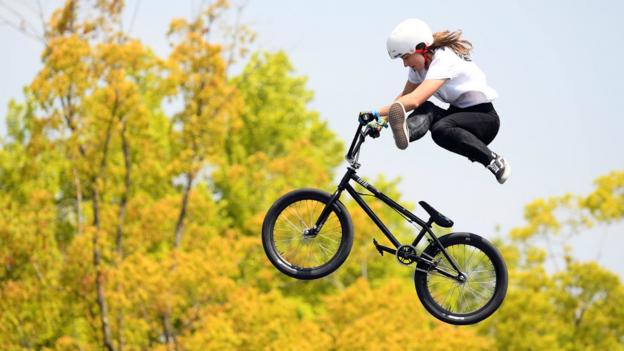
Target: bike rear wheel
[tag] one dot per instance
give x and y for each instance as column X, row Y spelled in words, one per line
column 458, row 302
column 289, row 248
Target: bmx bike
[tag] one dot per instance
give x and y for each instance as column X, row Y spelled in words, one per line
column 460, row 278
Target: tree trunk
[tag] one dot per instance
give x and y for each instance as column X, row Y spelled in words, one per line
column 170, row 339
column 121, row 216
column 185, row 199
column 97, row 256
column 99, row 288
column 78, row 200
column 120, row 325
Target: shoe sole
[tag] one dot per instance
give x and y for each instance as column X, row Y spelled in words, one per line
column 396, row 118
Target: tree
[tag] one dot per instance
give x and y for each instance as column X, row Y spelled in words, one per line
column 577, row 306
column 279, row 145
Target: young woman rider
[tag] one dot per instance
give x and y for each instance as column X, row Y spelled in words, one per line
column 439, row 65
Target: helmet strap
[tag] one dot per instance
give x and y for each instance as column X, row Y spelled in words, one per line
column 424, row 52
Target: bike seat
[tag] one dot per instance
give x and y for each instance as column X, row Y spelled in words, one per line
column 437, row 217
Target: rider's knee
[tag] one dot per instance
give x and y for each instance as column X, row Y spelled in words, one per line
column 442, row 133
column 418, row 125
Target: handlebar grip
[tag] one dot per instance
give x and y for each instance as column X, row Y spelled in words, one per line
column 366, row 117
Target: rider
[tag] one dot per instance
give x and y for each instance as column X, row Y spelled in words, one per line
column 439, row 64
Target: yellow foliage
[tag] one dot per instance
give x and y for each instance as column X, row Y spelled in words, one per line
column 388, row 318
column 607, row 201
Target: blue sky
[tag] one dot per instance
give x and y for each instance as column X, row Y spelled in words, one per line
column 555, row 64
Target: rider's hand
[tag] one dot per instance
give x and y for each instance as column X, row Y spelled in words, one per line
column 375, row 127
column 366, row 117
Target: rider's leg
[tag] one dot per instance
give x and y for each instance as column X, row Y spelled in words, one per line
column 422, row 118
column 468, row 132
column 406, row 129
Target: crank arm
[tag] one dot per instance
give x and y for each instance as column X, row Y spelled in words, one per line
column 383, row 249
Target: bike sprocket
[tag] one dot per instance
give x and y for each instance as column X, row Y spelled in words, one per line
column 405, row 254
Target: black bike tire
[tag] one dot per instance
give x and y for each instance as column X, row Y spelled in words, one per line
column 500, row 290
column 344, row 247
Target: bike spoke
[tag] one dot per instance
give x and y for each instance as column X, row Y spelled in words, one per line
column 294, row 226
column 325, row 250
column 461, row 298
column 450, row 294
column 467, row 263
column 482, row 270
column 299, row 216
column 286, row 241
column 295, row 251
column 485, row 282
column 327, row 238
column 478, row 294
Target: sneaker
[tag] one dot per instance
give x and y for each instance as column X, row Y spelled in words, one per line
column 500, row 167
column 398, row 125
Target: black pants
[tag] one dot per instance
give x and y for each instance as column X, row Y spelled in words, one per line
column 465, row 131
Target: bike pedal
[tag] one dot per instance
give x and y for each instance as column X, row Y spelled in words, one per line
column 377, row 247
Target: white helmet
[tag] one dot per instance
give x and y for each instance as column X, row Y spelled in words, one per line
column 406, row 36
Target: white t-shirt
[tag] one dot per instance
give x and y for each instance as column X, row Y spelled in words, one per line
column 465, row 86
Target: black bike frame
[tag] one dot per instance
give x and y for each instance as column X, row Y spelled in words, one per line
column 344, row 185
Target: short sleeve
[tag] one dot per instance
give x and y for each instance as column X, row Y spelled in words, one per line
column 413, row 77
column 443, row 65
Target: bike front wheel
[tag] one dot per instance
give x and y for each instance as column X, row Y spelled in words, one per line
column 299, row 255
column 468, row 301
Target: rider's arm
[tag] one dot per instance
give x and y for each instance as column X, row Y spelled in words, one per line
column 409, row 87
column 420, row 94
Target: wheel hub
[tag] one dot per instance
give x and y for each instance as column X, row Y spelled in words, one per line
column 309, row 233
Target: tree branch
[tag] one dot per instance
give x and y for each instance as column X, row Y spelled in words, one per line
column 23, row 25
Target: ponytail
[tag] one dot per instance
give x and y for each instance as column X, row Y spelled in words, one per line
column 452, row 40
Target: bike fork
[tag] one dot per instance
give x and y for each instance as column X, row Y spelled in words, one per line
column 312, row 232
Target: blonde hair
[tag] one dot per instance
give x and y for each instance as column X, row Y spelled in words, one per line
column 452, row 40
